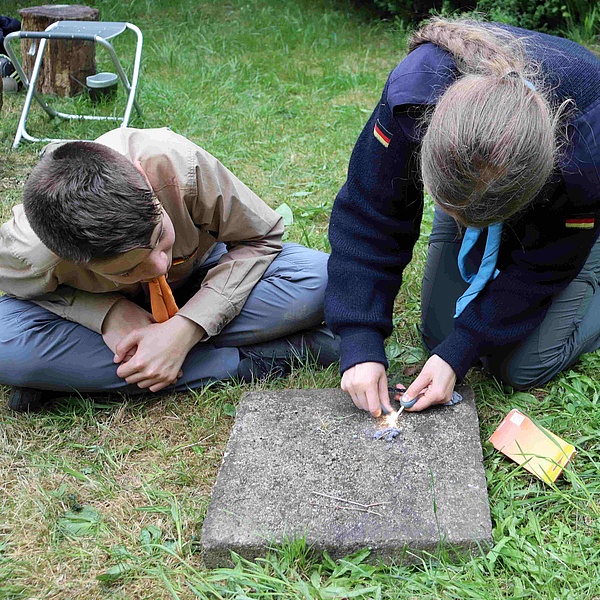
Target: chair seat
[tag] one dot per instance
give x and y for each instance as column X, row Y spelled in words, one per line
column 106, row 30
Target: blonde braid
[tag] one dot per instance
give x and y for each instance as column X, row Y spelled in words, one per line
column 475, row 49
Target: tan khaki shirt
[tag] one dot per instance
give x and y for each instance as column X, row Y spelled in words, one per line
column 206, row 203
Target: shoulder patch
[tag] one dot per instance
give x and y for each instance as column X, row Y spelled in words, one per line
column 382, row 134
column 580, row 222
column 181, row 259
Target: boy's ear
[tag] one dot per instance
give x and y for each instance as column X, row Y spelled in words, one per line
column 138, row 165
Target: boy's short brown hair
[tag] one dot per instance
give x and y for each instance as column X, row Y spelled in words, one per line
column 86, row 201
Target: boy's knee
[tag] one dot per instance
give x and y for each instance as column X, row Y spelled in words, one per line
column 16, row 372
column 304, row 268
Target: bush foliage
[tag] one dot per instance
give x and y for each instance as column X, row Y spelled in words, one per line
column 546, row 15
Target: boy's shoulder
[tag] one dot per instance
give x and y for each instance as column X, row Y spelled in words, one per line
column 130, row 141
column 20, row 245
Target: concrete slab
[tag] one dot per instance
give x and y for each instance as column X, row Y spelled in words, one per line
column 304, row 463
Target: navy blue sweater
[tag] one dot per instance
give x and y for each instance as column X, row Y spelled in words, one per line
column 376, row 217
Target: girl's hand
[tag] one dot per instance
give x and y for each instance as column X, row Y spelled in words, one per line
column 435, row 384
column 367, row 385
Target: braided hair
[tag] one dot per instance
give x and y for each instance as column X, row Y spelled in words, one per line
column 491, row 141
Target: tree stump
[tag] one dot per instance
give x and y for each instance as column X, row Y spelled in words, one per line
column 66, row 63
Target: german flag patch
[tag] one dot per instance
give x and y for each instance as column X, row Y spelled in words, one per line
column 181, row 259
column 382, row 134
column 583, row 222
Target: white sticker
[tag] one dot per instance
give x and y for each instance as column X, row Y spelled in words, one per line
column 517, row 418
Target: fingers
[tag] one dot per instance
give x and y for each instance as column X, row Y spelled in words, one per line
column 160, row 386
column 146, row 377
column 419, row 387
column 365, row 383
column 151, row 381
column 125, row 346
column 129, row 355
column 397, row 391
column 358, row 398
column 372, row 400
column 384, row 396
column 434, row 385
column 424, row 400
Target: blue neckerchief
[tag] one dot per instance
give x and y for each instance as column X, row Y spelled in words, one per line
column 487, row 269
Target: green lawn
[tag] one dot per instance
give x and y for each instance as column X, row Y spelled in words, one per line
column 107, row 501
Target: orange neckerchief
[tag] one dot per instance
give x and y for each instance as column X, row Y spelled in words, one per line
column 161, row 299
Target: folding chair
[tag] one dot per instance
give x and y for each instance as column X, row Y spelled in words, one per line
column 92, row 31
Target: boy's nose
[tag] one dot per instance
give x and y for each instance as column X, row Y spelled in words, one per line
column 159, row 265
column 153, row 273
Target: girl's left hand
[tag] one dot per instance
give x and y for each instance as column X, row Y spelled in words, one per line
column 435, row 382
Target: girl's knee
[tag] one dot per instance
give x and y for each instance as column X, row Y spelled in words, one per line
column 301, row 266
column 522, row 376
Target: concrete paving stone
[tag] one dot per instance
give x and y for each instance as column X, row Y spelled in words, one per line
column 290, row 450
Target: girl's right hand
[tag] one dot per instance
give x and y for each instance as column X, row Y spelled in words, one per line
column 368, row 387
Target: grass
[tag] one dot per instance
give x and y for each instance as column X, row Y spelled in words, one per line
column 107, row 501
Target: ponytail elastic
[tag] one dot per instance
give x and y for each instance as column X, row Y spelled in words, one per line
column 517, row 75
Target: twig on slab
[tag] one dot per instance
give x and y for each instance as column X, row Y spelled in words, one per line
column 348, row 501
column 365, row 510
column 337, row 506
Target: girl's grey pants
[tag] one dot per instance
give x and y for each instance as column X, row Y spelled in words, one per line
column 570, row 328
column 41, row 350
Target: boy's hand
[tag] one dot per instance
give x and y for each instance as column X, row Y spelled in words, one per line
column 367, row 385
column 158, row 352
column 123, row 318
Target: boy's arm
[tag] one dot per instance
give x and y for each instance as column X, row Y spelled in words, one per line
column 188, row 178
column 222, row 205
column 251, row 230
column 85, row 308
column 28, row 270
column 78, row 306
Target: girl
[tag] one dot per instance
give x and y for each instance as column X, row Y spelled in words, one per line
column 501, row 127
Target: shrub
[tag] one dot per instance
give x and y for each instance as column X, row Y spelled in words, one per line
column 556, row 16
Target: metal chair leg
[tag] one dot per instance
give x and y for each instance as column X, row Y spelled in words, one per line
column 61, row 30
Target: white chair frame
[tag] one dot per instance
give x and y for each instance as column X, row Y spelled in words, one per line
column 93, row 31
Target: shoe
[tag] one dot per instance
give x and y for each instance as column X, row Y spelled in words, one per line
column 22, row 399
column 11, row 82
column 276, row 358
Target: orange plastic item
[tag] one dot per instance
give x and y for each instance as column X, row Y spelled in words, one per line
column 539, row 451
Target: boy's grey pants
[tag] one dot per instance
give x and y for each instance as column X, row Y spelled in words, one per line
column 41, row 350
column 570, row 328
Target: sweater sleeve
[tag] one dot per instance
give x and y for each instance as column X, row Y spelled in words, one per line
column 374, row 225
column 515, row 303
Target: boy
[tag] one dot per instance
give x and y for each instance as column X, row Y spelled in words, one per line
column 100, row 227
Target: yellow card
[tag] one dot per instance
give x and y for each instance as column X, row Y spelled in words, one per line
column 539, row 451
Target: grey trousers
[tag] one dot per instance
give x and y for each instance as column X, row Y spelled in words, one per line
column 571, row 326
column 41, row 350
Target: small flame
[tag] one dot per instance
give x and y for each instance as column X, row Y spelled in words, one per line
column 391, row 418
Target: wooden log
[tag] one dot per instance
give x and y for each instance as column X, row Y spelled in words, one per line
column 66, row 63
